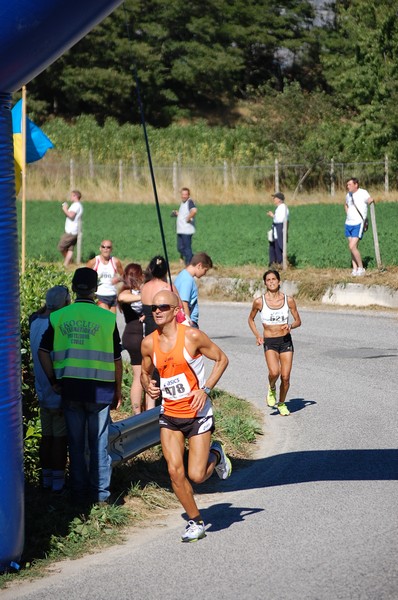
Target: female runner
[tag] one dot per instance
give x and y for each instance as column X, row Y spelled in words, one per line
column 274, row 307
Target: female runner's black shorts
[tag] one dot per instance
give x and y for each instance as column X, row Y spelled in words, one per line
column 284, row 343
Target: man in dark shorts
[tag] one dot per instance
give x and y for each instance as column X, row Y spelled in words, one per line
column 73, row 215
column 186, row 411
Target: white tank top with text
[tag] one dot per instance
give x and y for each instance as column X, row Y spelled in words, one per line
column 105, row 275
column 275, row 316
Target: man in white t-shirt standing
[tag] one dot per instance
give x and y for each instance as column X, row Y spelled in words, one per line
column 73, row 215
column 278, row 218
column 356, row 208
column 185, row 225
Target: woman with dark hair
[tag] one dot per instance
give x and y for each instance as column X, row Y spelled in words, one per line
column 130, row 304
column 274, row 308
column 155, row 281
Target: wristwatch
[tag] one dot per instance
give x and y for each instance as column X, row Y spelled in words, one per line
column 206, row 389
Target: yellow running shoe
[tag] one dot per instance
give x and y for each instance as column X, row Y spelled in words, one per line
column 283, row 409
column 271, row 397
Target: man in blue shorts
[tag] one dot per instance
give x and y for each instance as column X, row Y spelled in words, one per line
column 187, row 288
column 356, row 208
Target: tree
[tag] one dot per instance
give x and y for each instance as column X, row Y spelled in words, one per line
column 190, row 58
column 301, row 126
column 360, row 59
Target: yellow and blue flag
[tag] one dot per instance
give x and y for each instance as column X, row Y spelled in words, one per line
column 37, row 143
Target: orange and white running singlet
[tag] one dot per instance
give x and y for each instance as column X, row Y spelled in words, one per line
column 180, row 375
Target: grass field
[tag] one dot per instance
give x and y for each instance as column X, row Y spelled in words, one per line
column 233, row 235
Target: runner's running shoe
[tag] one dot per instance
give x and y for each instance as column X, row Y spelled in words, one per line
column 271, row 397
column 224, row 467
column 283, row 409
column 194, row 531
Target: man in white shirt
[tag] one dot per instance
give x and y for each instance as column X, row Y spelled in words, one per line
column 73, row 215
column 356, row 208
column 185, row 225
column 278, row 217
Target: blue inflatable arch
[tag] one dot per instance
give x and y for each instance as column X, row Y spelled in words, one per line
column 33, row 34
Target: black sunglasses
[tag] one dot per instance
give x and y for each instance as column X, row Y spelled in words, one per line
column 161, row 307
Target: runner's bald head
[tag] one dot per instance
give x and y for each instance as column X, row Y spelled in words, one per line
column 165, row 297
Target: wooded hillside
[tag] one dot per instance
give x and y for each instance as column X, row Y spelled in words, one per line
column 304, row 88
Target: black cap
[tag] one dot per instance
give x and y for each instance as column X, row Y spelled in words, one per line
column 279, row 195
column 85, row 280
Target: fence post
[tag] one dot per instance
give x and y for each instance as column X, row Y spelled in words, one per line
column 284, row 251
column 175, row 179
column 79, row 242
column 386, row 182
column 375, row 236
column 120, row 179
column 276, row 175
column 91, row 164
column 135, row 172
column 225, row 174
column 72, row 174
column 332, row 187
column 233, row 174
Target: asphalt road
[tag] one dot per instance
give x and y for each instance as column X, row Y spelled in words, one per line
column 313, row 516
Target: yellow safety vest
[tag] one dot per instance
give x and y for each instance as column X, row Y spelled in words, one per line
column 83, row 342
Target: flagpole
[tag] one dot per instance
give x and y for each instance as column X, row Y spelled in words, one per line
column 23, row 215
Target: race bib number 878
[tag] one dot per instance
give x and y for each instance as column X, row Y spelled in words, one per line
column 175, row 388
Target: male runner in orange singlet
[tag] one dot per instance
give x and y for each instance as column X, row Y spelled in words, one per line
column 177, row 352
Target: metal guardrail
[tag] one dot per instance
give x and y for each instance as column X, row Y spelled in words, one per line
column 131, row 436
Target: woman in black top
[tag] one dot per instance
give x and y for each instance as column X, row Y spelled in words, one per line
column 129, row 298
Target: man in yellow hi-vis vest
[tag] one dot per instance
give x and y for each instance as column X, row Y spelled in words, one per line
column 86, row 369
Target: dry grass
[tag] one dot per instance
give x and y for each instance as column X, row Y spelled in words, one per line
column 312, row 283
column 248, row 185
column 310, row 276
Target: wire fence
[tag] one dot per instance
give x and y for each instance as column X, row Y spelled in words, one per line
column 128, row 181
